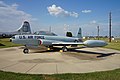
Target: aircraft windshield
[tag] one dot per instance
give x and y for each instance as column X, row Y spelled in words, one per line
column 45, row 33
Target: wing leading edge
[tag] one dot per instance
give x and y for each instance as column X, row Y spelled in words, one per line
column 67, row 43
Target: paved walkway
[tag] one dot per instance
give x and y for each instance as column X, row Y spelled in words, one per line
column 42, row 62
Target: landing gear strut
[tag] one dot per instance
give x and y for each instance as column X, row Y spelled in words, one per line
column 26, row 50
column 64, row 49
column 49, row 48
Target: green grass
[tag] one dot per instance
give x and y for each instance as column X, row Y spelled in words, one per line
column 5, row 42
column 104, row 75
column 113, row 45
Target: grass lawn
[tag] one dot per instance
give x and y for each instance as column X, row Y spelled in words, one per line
column 104, row 75
column 114, row 45
column 5, row 42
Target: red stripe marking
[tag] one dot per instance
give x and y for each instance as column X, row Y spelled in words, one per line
column 40, row 42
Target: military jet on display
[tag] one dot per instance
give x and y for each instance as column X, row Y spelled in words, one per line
column 24, row 29
column 50, row 41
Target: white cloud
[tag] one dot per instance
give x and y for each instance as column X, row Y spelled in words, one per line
column 11, row 17
column 2, row 4
column 58, row 11
column 86, row 11
column 15, row 6
column 93, row 22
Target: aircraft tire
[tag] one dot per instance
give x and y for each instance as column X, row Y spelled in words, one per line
column 26, row 50
column 64, row 49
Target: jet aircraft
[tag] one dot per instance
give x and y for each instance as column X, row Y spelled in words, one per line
column 24, row 29
column 50, row 41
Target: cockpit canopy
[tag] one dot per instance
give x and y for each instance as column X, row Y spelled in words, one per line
column 45, row 33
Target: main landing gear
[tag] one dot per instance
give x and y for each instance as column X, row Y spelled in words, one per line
column 49, row 48
column 64, row 49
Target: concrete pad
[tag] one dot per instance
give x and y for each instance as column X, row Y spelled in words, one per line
column 20, row 67
column 66, row 68
column 53, row 62
column 99, row 50
column 6, row 64
column 49, row 68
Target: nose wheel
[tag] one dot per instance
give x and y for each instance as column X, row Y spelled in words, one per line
column 26, row 50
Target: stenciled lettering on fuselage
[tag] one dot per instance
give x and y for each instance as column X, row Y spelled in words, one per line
column 31, row 37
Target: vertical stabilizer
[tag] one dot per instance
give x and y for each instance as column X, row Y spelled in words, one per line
column 79, row 35
column 25, row 28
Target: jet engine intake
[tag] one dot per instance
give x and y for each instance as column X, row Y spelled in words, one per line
column 46, row 42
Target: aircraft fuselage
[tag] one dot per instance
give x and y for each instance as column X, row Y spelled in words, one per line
column 22, row 38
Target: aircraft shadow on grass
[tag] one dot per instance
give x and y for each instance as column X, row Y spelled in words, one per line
column 2, row 44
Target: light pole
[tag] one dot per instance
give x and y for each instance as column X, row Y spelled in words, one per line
column 110, row 20
column 98, row 28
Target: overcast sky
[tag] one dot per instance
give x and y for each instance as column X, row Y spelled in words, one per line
column 61, row 15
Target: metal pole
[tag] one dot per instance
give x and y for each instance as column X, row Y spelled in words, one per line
column 98, row 31
column 50, row 29
column 110, row 27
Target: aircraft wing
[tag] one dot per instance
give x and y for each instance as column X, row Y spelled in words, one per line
column 67, row 43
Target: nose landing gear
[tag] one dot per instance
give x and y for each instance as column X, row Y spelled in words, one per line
column 26, row 51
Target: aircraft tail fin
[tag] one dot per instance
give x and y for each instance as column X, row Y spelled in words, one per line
column 79, row 35
column 25, row 28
